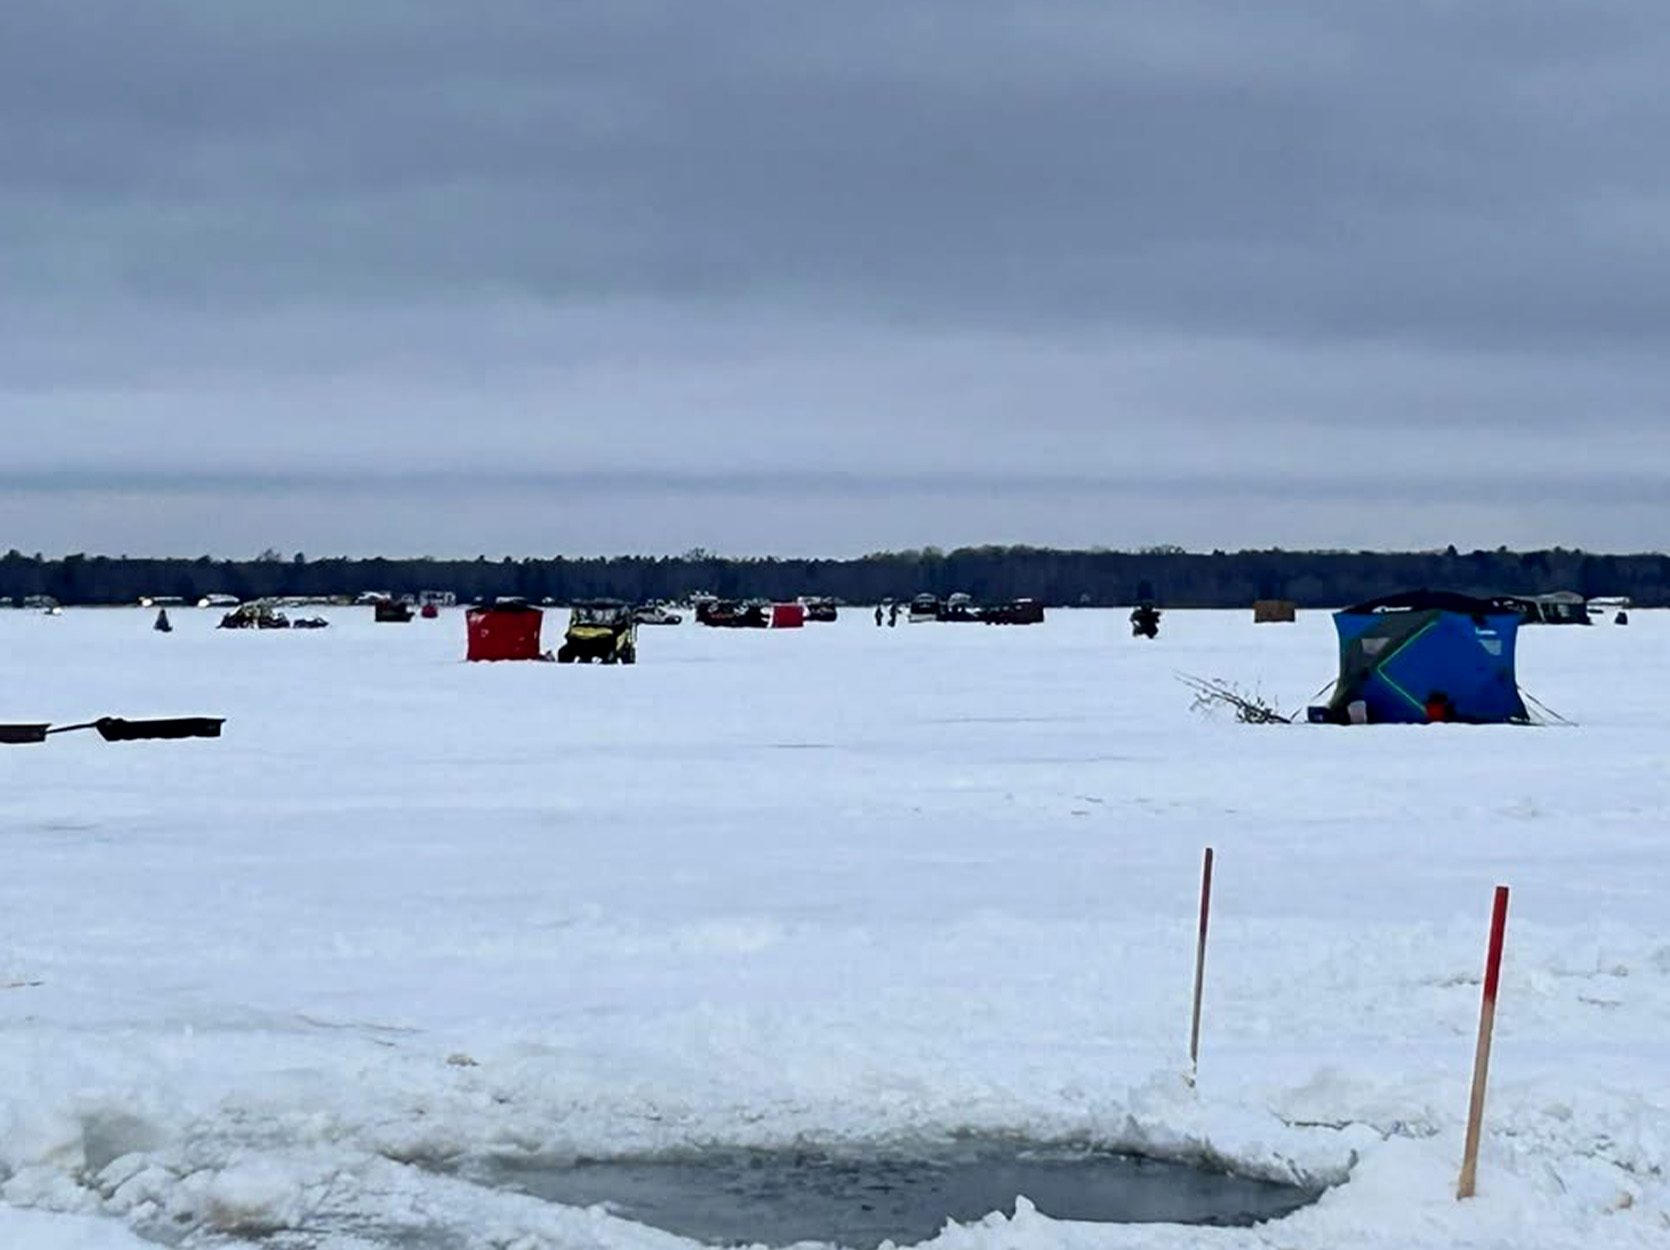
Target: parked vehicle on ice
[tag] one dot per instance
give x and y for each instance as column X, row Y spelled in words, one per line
column 820, row 608
column 924, row 607
column 656, row 613
column 735, row 614
column 1619, row 605
column 959, row 606
column 257, row 615
column 601, row 630
column 1015, row 612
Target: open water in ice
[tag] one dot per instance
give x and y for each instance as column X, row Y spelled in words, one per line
column 781, row 1197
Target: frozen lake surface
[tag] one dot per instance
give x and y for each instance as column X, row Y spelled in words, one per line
column 840, row 889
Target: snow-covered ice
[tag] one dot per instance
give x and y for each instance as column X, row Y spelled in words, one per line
column 839, row 885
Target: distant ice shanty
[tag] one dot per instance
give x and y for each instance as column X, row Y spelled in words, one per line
column 504, row 630
column 1562, row 607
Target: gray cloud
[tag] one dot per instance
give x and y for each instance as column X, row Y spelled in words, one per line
column 1242, row 265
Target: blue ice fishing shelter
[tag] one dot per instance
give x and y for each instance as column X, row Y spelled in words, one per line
column 1426, row 656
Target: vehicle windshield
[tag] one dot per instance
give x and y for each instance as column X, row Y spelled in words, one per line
column 596, row 615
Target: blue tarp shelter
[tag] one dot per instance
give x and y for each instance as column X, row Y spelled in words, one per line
column 1426, row 656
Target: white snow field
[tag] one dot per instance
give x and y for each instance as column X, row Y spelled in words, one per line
column 836, row 886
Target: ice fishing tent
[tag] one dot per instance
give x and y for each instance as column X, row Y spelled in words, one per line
column 1274, row 611
column 1425, row 656
column 508, row 630
column 1563, row 607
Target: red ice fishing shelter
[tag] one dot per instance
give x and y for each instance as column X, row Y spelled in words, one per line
column 505, row 631
column 788, row 615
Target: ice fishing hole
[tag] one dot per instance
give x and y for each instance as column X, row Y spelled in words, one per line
column 726, row 1197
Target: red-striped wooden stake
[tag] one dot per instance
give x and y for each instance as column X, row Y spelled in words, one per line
column 1200, row 962
column 1481, row 1055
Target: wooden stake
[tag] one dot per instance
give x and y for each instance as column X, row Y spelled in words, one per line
column 1481, row 1054
column 1200, row 963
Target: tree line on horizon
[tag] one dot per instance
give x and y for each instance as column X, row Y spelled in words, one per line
column 1169, row 576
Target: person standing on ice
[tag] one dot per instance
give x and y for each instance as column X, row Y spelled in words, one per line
column 878, row 616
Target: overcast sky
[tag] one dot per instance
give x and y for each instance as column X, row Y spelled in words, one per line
column 534, row 276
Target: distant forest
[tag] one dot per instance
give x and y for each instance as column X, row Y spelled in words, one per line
column 1096, row 578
